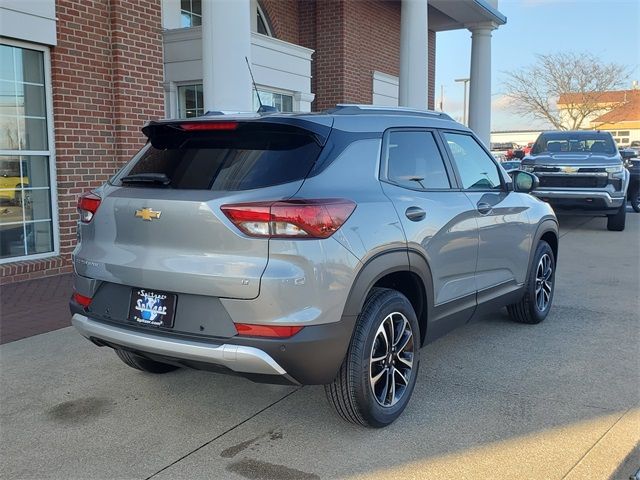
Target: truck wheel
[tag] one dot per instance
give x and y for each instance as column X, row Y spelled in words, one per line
column 379, row 372
column 535, row 304
column 635, row 200
column 617, row 221
column 144, row 364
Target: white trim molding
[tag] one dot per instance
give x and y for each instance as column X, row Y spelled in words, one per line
column 30, row 21
column 385, row 89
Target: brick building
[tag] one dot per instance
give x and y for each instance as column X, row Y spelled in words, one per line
column 78, row 78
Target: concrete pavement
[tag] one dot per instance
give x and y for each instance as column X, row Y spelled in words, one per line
column 494, row 399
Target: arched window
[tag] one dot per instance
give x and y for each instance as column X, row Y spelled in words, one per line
column 262, row 25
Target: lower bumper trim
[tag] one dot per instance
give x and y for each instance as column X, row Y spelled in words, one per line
column 604, row 198
column 239, row 358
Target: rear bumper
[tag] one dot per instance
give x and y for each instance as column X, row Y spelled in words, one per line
column 313, row 356
column 239, row 358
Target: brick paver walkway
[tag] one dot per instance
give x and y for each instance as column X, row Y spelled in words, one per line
column 33, row 307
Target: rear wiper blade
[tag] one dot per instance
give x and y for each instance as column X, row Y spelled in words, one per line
column 147, row 178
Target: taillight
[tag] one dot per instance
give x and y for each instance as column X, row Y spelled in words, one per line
column 87, row 206
column 248, row 330
column 81, row 299
column 290, row 219
column 208, row 126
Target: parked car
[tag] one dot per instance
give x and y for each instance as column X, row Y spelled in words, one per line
column 580, row 172
column 499, row 156
column 511, row 165
column 632, row 164
column 522, row 152
column 12, row 182
column 506, row 148
column 635, row 146
column 266, row 247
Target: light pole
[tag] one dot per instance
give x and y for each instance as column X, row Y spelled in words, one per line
column 466, row 82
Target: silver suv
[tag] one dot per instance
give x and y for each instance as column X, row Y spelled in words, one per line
column 309, row 249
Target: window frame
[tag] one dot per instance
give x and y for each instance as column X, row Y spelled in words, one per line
column 192, row 83
column 191, row 14
column 384, row 164
column 265, row 20
column 50, row 153
column 276, row 91
column 503, row 181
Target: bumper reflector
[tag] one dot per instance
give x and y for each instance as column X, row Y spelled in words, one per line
column 81, row 299
column 247, row 330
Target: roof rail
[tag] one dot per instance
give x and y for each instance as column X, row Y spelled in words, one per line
column 347, row 108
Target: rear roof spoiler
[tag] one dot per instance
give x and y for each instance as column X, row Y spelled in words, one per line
column 319, row 126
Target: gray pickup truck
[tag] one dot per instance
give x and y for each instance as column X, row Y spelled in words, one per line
column 580, row 172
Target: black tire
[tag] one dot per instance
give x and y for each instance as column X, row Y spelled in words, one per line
column 353, row 392
column 616, row 222
column 529, row 309
column 144, row 364
column 634, row 197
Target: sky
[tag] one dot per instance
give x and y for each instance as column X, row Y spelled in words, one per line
column 610, row 29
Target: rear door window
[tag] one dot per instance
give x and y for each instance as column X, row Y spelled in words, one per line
column 412, row 160
column 223, row 161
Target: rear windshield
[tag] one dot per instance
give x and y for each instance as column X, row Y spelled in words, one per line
column 579, row 142
column 223, row 161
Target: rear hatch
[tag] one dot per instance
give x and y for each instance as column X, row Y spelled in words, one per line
column 159, row 224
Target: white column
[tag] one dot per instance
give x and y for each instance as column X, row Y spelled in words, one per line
column 170, row 100
column 226, row 41
column 480, row 84
column 171, row 14
column 414, row 54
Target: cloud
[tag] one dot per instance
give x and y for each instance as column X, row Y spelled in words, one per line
column 501, row 102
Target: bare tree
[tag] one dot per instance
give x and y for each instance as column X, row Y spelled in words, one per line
column 579, row 78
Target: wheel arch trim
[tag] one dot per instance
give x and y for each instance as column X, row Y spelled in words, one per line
column 547, row 225
column 383, row 264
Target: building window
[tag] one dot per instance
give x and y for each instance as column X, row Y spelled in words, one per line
column 26, row 206
column 283, row 102
column 190, row 101
column 190, row 13
column 262, row 24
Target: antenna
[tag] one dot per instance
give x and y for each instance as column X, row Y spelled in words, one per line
column 255, row 87
column 263, row 108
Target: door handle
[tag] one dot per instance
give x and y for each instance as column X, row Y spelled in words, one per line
column 415, row 214
column 484, row 208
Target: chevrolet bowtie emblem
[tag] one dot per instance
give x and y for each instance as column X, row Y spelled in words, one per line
column 147, row 214
column 570, row 169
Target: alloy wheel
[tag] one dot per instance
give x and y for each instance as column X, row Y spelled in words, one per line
column 544, row 282
column 391, row 359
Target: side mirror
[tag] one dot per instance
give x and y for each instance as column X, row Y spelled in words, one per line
column 524, row 182
column 628, row 153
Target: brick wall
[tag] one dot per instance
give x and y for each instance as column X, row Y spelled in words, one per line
column 106, row 78
column 352, row 39
column 137, row 66
column 283, row 17
column 373, row 44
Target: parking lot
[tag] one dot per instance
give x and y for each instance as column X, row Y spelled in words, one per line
column 494, row 399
